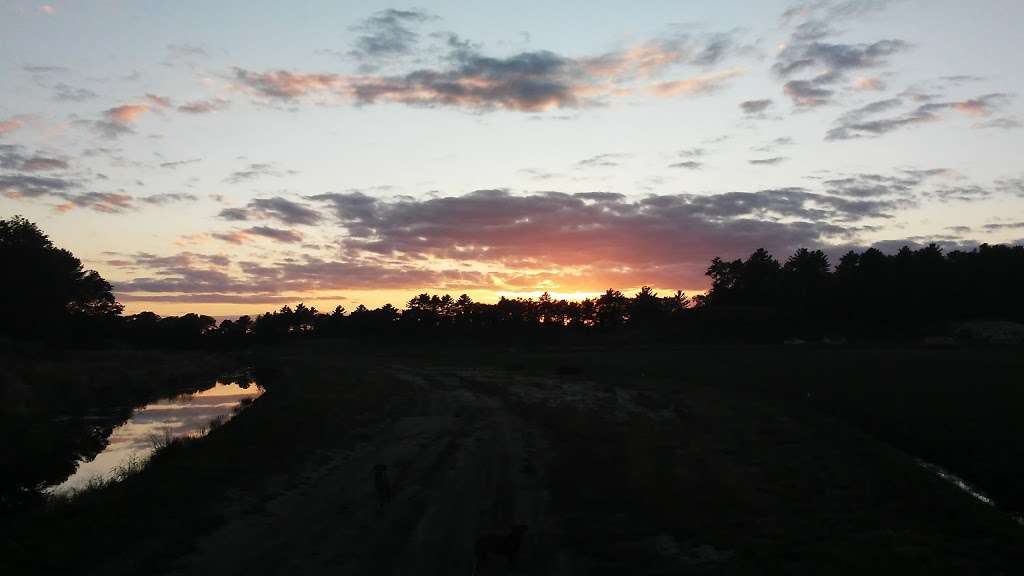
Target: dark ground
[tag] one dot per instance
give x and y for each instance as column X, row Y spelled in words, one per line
column 646, row 460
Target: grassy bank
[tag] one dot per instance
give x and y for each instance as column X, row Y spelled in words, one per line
column 58, row 409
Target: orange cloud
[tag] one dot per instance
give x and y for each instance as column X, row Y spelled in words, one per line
column 10, row 125
column 641, row 61
column 126, row 113
column 701, row 84
column 285, row 84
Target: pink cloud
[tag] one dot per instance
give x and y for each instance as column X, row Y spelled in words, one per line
column 869, row 84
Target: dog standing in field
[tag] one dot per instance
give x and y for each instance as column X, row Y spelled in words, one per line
column 506, row 545
column 382, row 485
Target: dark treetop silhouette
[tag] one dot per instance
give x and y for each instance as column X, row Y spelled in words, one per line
column 867, row 296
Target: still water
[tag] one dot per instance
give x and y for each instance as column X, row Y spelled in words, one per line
column 175, row 417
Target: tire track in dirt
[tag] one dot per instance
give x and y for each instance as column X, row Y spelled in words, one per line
column 462, row 464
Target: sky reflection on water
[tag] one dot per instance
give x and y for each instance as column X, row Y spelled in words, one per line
column 182, row 415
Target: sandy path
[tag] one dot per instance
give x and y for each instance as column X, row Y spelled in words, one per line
column 462, row 465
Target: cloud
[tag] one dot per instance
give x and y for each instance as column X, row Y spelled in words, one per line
column 532, row 81
column 387, row 34
column 233, row 237
column 252, row 172
column 701, row 84
column 863, row 122
column 285, row 85
column 186, row 51
column 662, row 237
column 13, row 157
column 67, row 93
column 602, row 160
column 189, row 277
column 277, row 208
column 774, row 144
column 275, row 233
column 158, row 101
column 234, row 214
column 822, row 64
column 755, row 107
column 768, row 161
column 24, row 186
column 168, row 198
column 863, row 83
column 1005, row 123
column 1013, row 186
column 125, row 114
column 203, row 106
column 807, row 93
column 118, row 120
column 1004, row 226
column 10, row 125
column 243, row 236
column 833, row 61
column 688, row 164
column 107, row 202
column 872, row 185
column 179, row 163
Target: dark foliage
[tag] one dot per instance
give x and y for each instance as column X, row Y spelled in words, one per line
column 867, row 296
column 46, row 293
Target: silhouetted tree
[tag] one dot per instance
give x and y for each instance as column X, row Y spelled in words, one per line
column 46, row 292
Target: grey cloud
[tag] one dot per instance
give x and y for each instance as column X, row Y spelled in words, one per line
column 179, row 163
column 807, row 93
column 387, row 34
column 14, row 157
column 1004, row 226
column 68, row 93
column 168, row 198
column 774, row 144
column 755, row 107
column 768, row 161
column 602, row 160
column 203, row 106
column 837, row 59
column 526, row 82
column 275, row 234
column 24, row 186
column 276, row 208
column 830, row 63
column 688, row 164
column 859, row 123
column 187, row 51
column 253, row 172
column 235, row 214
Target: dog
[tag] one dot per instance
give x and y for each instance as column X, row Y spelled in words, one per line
column 382, row 485
column 506, row 545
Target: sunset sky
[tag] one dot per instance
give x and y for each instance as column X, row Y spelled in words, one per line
column 230, row 157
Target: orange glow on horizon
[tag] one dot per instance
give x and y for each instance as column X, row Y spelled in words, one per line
column 327, row 301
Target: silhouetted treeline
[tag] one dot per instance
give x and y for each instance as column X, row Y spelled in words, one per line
column 866, row 296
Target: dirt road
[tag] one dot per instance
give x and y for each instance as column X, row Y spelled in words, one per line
column 461, row 464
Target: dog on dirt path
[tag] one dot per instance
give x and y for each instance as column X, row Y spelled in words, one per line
column 382, row 485
column 506, row 545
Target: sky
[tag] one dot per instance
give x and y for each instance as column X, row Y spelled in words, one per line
column 231, row 157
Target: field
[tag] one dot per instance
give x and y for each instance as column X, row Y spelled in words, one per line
column 646, row 460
